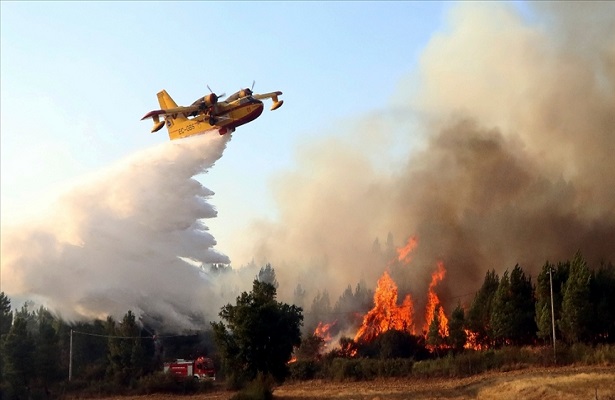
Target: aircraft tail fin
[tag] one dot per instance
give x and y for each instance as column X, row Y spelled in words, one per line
column 165, row 100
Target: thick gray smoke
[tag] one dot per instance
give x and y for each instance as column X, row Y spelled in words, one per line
column 114, row 241
column 515, row 161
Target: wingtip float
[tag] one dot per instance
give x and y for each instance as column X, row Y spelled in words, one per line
column 209, row 113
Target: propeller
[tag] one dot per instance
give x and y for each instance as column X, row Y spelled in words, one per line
column 217, row 96
column 246, row 91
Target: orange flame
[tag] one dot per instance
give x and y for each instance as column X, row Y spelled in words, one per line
column 386, row 314
column 323, row 330
column 403, row 253
column 433, row 301
column 472, row 341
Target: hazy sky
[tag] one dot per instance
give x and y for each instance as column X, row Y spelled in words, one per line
column 78, row 76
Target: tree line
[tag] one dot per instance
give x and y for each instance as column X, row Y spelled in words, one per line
column 511, row 310
column 260, row 334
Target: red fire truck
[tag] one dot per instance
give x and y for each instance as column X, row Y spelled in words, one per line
column 201, row 368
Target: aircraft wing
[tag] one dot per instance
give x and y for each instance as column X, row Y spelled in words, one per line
column 274, row 96
column 267, row 95
column 171, row 111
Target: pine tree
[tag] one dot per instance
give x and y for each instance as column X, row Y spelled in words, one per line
column 6, row 320
column 576, row 306
column 345, row 303
column 90, row 350
column 364, row 297
column 479, row 314
column 543, row 298
column 543, row 303
column 524, row 308
column 18, row 357
column 267, row 275
column 345, row 307
column 603, row 302
column 6, row 316
column 299, row 296
column 457, row 336
column 320, row 310
column 126, row 355
column 502, row 312
column 47, row 355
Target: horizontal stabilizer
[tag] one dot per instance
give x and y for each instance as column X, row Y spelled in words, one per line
column 157, row 126
column 276, row 105
column 152, row 114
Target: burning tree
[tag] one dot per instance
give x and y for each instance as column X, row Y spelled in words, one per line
column 386, row 314
column 435, row 337
column 434, row 308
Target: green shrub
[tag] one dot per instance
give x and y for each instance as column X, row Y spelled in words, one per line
column 397, row 367
column 235, row 381
column 462, row 364
column 604, row 354
column 260, row 388
column 472, row 362
column 580, row 353
column 346, row 369
column 92, row 389
column 359, row 369
column 304, row 370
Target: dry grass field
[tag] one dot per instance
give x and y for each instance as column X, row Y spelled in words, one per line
column 534, row 383
column 543, row 384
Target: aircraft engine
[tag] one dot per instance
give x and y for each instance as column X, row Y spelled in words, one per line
column 206, row 101
column 245, row 92
column 210, row 99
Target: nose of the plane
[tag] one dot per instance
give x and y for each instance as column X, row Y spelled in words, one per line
column 258, row 110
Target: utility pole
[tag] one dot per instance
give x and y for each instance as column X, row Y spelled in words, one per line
column 552, row 313
column 70, row 357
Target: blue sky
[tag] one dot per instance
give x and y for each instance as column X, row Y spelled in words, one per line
column 78, row 76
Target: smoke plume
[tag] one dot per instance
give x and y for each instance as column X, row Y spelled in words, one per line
column 514, row 136
column 129, row 237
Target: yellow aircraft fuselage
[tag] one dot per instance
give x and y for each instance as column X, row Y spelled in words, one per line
column 230, row 116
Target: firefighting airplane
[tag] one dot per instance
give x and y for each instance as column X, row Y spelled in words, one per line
column 209, row 114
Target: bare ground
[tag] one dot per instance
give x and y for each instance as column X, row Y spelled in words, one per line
column 560, row 383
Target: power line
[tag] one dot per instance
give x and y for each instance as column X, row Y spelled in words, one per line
column 127, row 337
column 72, row 331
